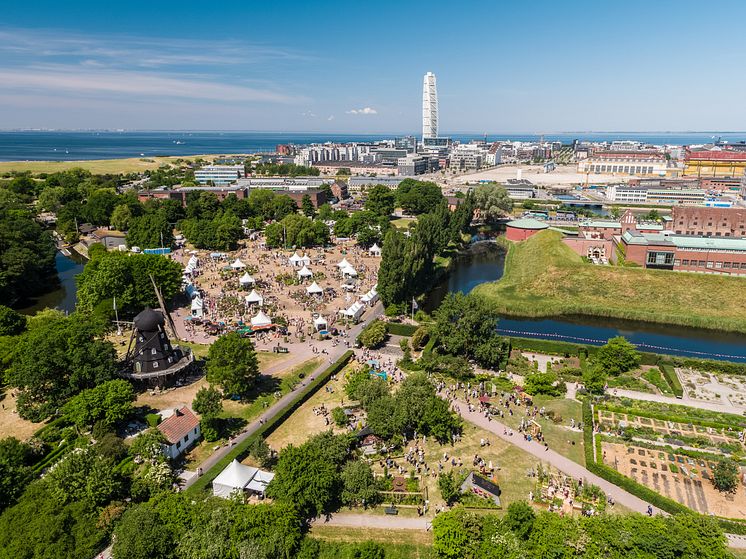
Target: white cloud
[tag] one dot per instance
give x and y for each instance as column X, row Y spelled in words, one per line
column 363, row 111
column 331, row 117
column 92, row 81
column 308, row 114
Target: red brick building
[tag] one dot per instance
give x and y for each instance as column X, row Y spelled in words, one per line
column 709, row 222
column 522, row 229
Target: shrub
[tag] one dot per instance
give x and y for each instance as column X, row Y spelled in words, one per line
column 339, row 416
column 373, row 335
column 672, row 378
column 420, row 337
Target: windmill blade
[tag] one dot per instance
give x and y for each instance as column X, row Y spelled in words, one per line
column 166, row 314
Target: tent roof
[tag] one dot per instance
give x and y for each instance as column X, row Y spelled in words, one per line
column 261, row 319
column 319, row 320
column 253, row 297
column 246, row 278
column 343, row 263
column 295, row 257
column 349, row 271
column 236, row 475
column 304, row 271
column 196, row 303
column 238, row 264
column 314, row 288
column 375, row 248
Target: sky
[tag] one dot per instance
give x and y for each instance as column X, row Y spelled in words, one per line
column 357, row 67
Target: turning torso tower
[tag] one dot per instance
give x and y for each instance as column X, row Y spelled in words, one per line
column 429, row 107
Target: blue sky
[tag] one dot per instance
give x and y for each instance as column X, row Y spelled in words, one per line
column 357, row 66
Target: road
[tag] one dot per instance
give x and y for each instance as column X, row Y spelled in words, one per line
column 334, row 353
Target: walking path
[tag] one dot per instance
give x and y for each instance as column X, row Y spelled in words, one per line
column 560, row 462
column 334, row 354
column 685, row 401
column 373, row 521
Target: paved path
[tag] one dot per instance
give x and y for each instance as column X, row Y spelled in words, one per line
column 334, row 354
column 374, row 521
column 560, row 462
column 685, row 401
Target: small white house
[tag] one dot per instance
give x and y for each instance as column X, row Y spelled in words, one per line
column 181, row 430
column 239, row 478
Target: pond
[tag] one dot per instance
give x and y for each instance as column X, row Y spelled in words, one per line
column 482, row 264
column 64, row 297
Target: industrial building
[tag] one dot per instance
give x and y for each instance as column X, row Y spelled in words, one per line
column 219, row 175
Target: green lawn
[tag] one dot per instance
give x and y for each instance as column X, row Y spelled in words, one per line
column 544, row 277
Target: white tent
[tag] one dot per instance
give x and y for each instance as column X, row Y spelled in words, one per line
column 320, row 323
column 370, row 297
column 375, row 250
column 254, row 298
column 197, row 307
column 238, row 265
column 343, row 264
column 349, row 271
column 305, row 260
column 314, row 289
column 355, row 311
column 246, row 279
column 347, row 287
column 191, row 265
column 261, row 319
column 238, row 477
column 295, row 260
column 304, row 272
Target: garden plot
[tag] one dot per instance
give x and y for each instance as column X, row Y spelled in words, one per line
column 709, row 387
column 683, row 479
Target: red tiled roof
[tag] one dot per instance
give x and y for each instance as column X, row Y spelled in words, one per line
column 716, row 155
column 179, row 425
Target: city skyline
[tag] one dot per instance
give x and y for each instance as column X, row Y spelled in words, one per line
column 516, row 69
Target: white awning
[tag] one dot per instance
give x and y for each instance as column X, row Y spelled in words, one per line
column 261, row 319
column 238, row 265
column 304, row 272
column 314, row 289
column 254, row 297
column 246, row 279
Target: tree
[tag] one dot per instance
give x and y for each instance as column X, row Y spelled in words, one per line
column 27, row 253
column 141, row 535
column 449, row 488
column 259, row 450
column 340, row 417
column 11, row 322
column 150, row 231
column 84, row 475
column 99, row 206
column 456, row 534
column 418, row 197
column 208, row 402
column 374, row 334
column 15, row 470
column 127, row 277
column 381, row 200
column 420, row 337
column 232, row 363
column 543, row 383
column 148, row 446
column 121, row 217
column 296, row 230
column 306, row 206
column 493, row 201
column 594, row 378
column 725, row 476
column 617, row 356
column 520, row 518
column 108, row 403
column 55, row 360
column 393, row 284
column 358, row 484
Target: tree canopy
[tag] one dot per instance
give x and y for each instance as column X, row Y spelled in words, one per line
column 617, row 356
column 418, row 197
column 493, row 201
column 381, row 200
column 109, row 403
column 232, row 363
column 297, row 230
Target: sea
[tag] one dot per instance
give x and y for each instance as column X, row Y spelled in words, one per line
column 38, row 145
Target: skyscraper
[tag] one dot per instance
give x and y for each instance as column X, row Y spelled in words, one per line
column 429, row 107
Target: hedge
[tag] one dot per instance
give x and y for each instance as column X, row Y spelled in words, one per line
column 672, row 378
column 551, row 346
column 645, row 493
column 241, row 450
column 710, row 365
column 399, row 329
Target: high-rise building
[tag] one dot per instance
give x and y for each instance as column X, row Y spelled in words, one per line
column 429, row 107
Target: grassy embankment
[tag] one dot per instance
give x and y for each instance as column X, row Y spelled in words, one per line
column 545, row 278
column 97, row 166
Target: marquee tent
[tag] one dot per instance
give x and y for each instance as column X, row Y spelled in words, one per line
column 304, row 272
column 246, row 279
column 314, row 289
column 375, row 250
column 343, row 264
column 238, row 477
column 261, row 319
column 254, row 298
column 320, row 323
column 238, row 265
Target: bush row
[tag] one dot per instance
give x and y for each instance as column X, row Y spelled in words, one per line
column 398, row 329
column 673, row 379
column 551, row 346
column 241, row 450
column 656, row 499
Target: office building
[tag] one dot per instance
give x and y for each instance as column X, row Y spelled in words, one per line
column 219, row 175
column 412, row 165
column 429, row 107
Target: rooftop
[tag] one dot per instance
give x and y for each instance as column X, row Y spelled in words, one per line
column 179, row 425
column 527, row 223
column 684, row 241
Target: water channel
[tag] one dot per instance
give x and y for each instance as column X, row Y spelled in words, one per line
column 64, row 297
column 487, row 265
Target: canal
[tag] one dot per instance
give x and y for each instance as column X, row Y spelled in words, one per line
column 485, row 264
column 64, row 297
